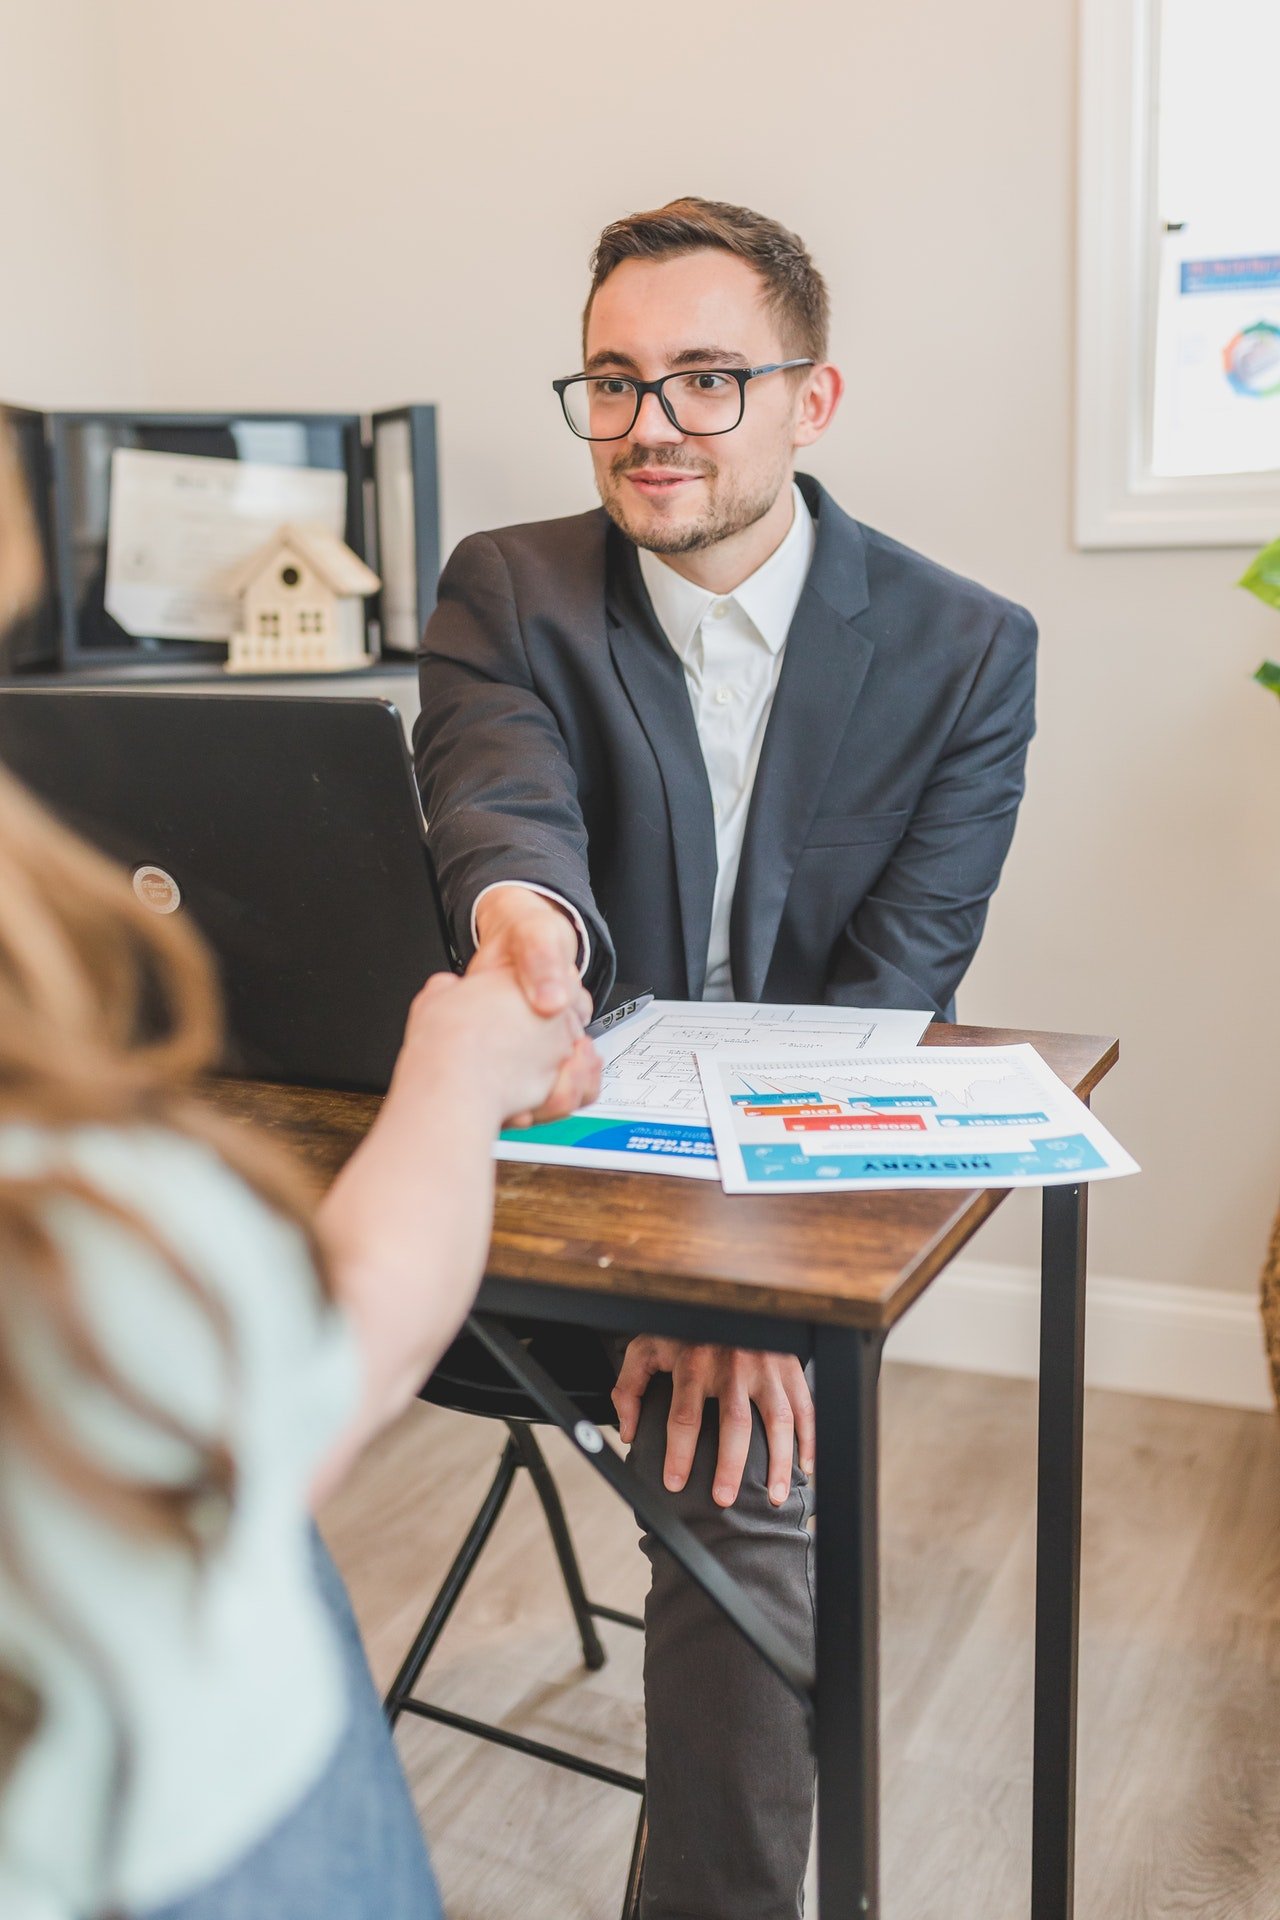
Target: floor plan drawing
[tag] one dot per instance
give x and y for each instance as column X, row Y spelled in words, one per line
column 652, row 1112
column 657, row 1069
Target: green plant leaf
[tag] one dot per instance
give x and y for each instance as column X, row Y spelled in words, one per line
column 1268, row 675
column 1262, row 575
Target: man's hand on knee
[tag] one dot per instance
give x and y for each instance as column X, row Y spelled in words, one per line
column 521, row 930
column 737, row 1379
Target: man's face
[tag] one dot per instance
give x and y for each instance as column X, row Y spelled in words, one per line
column 674, row 492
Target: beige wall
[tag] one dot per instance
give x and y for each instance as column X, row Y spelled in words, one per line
column 68, row 333
column 325, row 205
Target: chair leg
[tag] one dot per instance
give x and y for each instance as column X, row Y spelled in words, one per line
column 635, row 1872
column 540, row 1473
column 455, row 1580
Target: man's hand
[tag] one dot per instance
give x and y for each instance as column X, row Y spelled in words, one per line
column 521, row 931
column 736, row 1378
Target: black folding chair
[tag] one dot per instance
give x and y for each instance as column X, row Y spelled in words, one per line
column 471, row 1380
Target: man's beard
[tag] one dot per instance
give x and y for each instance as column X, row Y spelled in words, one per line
column 732, row 514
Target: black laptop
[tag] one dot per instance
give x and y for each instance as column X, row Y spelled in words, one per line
column 288, row 828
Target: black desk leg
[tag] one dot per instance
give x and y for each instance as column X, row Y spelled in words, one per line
column 847, row 1694
column 1061, row 1448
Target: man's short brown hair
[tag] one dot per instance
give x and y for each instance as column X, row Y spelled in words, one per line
column 794, row 289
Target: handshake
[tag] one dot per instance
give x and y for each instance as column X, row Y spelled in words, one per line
column 513, row 1029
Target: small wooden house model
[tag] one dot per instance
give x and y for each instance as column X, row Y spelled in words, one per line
column 300, row 605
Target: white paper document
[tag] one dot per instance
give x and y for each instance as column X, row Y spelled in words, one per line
column 181, row 523
column 651, row 1115
column 931, row 1117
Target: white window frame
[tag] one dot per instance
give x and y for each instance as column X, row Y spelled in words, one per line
column 1119, row 502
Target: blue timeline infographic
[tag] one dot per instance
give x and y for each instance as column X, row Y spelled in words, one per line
column 935, row 1117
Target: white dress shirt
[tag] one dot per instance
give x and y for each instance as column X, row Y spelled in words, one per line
column 731, row 649
column 730, row 646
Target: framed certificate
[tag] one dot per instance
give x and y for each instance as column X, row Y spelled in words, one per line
column 83, row 450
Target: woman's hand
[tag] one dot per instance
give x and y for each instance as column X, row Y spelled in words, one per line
column 478, row 1037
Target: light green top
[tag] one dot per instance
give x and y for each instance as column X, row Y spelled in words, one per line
column 222, row 1676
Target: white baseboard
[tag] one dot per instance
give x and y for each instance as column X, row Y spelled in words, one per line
column 1179, row 1343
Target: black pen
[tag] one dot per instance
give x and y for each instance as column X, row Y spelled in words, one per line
column 623, row 1011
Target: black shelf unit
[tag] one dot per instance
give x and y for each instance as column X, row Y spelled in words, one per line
column 66, row 457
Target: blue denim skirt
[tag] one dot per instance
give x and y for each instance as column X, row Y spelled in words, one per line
column 352, row 1849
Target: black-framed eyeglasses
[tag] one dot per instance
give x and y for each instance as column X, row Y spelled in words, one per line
column 698, row 400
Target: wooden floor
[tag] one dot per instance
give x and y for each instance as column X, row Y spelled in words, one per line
column 1179, row 1778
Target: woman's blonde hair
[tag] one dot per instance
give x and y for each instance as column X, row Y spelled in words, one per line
column 108, row 1015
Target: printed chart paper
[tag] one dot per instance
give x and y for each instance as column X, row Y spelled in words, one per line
column 933, row 1117
column 1217, row 387
column 651, row 1115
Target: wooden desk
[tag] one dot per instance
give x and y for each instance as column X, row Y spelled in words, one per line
column 826, row 1276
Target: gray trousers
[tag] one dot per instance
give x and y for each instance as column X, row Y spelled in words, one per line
column 728, row 1766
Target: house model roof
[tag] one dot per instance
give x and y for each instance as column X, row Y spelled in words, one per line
column 342, row 571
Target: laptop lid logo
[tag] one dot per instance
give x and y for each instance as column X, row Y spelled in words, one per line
column 157, row 889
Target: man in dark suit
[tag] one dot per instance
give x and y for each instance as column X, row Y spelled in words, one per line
column 726, row 741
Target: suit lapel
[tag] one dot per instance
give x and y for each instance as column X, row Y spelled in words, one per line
column 823, row 668
column 650, row 670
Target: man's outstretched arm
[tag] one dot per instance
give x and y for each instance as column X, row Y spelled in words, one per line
column 498, row 790
column 500, row 799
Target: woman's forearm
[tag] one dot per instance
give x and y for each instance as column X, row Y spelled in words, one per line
column 406, row 1223
column 406, row 1228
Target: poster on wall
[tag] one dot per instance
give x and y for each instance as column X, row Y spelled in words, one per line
column 1217, row 384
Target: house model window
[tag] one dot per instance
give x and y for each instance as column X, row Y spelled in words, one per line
column 301, row 599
